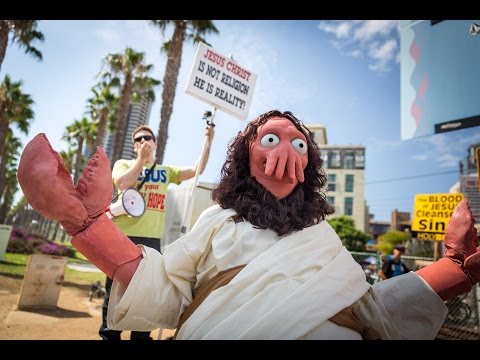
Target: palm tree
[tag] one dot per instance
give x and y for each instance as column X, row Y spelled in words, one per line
column 130, row 68
column 9, row 155
column 15, row 108
column 82, row 131
column 23, row 32
column 18, row 212
column 68, row 157
column 183, row 29
column 99, row 108
column 11, row 187
column 8, row 174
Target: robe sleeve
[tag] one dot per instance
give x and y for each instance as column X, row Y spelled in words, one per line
column 161, row 287
column 416, row 311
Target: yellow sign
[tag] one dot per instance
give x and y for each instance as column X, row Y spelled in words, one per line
column 432, row 212
column 430, row 236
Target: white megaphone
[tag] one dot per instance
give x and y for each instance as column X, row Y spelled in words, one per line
column 130, row 202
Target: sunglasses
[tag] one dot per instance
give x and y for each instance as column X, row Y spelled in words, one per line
column 146, row 137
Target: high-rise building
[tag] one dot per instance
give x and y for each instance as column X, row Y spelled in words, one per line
column 138, row 114
column 345, row 168
column 470, row 165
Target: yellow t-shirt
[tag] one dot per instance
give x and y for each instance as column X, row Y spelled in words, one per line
column 154, row 191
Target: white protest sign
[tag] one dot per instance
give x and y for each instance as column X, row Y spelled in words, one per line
column 469, row 188
column 221, row 82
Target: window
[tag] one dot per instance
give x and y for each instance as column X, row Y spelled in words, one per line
column 334, row 159
column 360, row 159
column 331, row 200
column 324, row 156
column 348, row 183
column 348, row 206
column 331, row 178
column 348, row 159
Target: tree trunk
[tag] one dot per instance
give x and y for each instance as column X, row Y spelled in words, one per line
column 78, row 161
column 47, row 232
column 170, row 80
column 64, row 236
column 28, row 219
column 42, row 221
column 8, row 196
column 55, row 231
column 121, row 124
column 102, row 127
column 7, row 201
column 3, row 170
column 20, row 222
column 3, row 40
column 3, row 130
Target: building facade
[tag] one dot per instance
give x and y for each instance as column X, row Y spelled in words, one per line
column 469, row 165
column 345, row 169
column 400, row 221
column 138, row 114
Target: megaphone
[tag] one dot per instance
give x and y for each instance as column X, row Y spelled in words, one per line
column 130, row 202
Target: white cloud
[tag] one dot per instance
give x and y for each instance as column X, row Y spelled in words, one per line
column 375, row 40
column 114, row 32
column 376, row 144
column 340, row 29
column 108, row 34
column 148, row 30
column 448, row 160
column 445, row 149
column 262, row 58
column 466, row 141
column 370, row 29
column 382, row 54
column 355, row 53
column 420, row 157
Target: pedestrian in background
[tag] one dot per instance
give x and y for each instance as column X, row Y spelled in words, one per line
column 393, row 264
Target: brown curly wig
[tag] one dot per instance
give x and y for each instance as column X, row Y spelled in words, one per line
column 304, row 207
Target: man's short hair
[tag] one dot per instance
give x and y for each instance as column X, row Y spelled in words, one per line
column 143, row 128
column 400, row 248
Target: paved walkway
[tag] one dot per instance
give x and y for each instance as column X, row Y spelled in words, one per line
column 84, row 267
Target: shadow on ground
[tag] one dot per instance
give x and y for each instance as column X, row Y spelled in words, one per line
column 58, row 312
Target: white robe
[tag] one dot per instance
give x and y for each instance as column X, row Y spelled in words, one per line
column 289, row 289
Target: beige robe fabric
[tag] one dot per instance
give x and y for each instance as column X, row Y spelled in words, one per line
column 288, row 290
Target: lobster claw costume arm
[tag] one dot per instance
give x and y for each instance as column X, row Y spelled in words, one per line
column 49, row 189
column 459, row 270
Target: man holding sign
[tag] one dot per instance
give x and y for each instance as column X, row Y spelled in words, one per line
column 148, row 228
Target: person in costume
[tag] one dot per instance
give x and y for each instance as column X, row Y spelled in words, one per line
column 261, row 264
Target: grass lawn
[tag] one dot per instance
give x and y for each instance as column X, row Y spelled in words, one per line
column 14, row 265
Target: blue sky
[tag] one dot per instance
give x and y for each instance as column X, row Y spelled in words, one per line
column 342, row 74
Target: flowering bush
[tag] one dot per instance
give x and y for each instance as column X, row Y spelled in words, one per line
column 23, row 243
column 19, row 246
column 18, row 233
column 50, row 248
